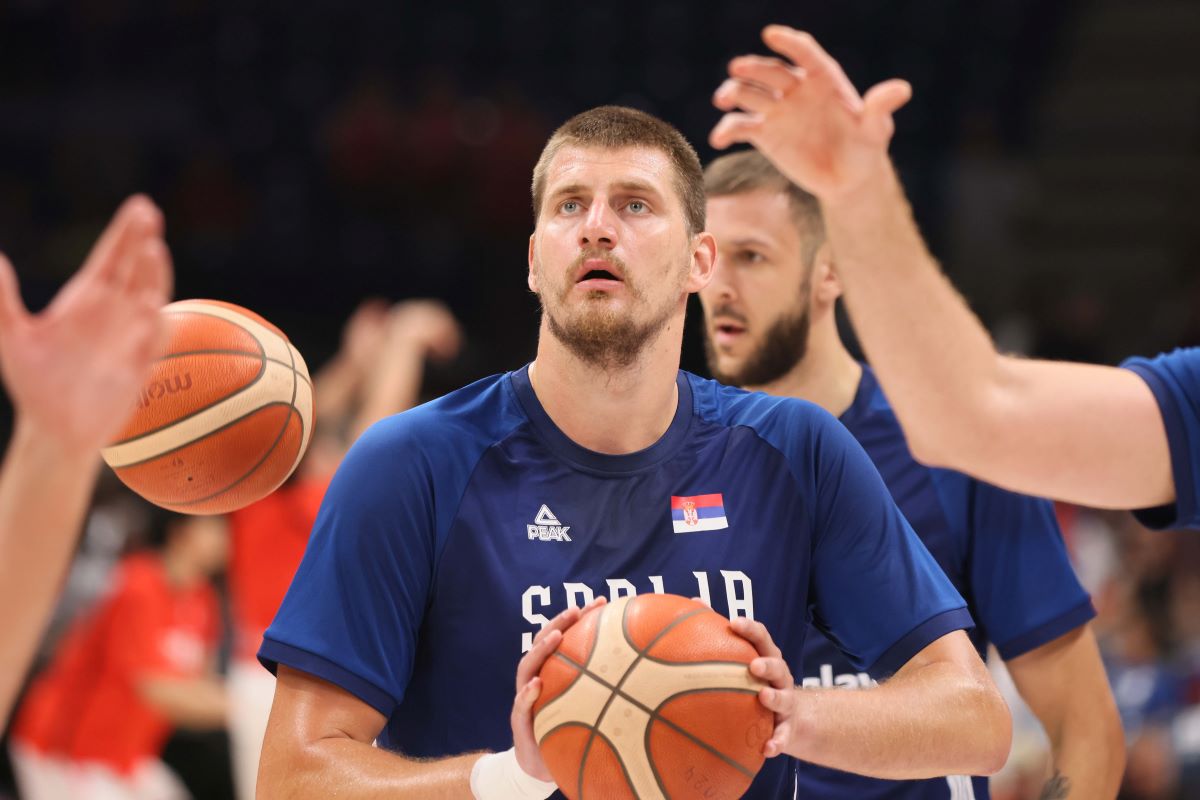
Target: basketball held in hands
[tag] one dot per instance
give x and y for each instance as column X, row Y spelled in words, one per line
column 225, row 417
column 650, row 697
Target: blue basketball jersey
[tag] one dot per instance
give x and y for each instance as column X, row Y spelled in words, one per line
column 1175, row 380
column 1003, row 552
column 454, row 531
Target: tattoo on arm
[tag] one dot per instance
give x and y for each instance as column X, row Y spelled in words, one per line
column 1057, row 788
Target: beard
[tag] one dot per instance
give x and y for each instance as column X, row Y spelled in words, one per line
column 783, row 347
column 600, row 336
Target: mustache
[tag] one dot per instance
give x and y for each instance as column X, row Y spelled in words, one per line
column 728, row 312
column 601, row 255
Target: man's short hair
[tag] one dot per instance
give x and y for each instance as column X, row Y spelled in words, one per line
column 748, row 171
column 613, row 127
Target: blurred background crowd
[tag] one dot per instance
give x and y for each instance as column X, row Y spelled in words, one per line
column 309, row 156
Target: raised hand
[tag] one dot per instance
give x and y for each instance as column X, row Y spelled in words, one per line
column 427, row 324
column 73, row 370
column 802, row 113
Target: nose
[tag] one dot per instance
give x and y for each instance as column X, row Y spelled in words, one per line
column 599, row 227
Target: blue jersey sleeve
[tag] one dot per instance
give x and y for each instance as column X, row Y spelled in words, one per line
column 1024, row 588
column 1174, row 378
column 353, row 610
column 876, row 590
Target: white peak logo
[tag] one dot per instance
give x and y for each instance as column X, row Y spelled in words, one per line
column 547, row 528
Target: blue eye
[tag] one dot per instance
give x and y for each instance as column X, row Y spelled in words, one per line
column 636, row 206
column 569, row 207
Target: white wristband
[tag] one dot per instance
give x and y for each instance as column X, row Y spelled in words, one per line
column 498, row 776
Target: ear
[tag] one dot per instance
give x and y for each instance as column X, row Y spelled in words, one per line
column 826, row 285
column 531, row 278
column 704, row 261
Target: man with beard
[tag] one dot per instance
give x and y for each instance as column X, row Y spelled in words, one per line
column 769, row 325
column 453, row 532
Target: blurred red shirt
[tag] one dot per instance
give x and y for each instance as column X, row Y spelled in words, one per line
column 269, row 538
column 85, row 706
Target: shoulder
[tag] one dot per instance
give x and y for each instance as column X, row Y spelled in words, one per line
column 472, row 418
column 771, row 417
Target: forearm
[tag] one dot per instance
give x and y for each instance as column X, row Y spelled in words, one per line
column 1088, row 761
column 347, row 768
column 394, row 387
column 44, row 496
column 335, row 386
column 199, row 704
column 932, row 355
column 934, row 720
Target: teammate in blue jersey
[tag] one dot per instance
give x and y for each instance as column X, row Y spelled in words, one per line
column 769, row 325
column 455, row 534
column 1093, row 435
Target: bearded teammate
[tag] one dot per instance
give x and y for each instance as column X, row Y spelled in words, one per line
column 455, row 531
column 1093, row 435
column 769, row 325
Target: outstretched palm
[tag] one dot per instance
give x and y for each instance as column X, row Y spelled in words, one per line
column 73, row 370
column 805, row 116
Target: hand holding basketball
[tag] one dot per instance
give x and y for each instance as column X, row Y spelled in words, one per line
column 805, row 116
column 72, row 369
column 780, row 696
column 529, row 687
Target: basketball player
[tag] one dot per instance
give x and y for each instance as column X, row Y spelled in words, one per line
column 70, row 372
column 769, row 325
column 455, row 531
column 94, row 722
column 1094, row 435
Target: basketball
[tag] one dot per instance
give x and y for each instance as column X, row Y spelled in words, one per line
column 650, row 697
column 225, row 417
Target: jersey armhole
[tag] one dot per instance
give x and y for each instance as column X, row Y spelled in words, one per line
column 273, row 653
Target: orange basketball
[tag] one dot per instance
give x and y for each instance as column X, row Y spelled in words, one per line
column 225, row 417
column 650, row 697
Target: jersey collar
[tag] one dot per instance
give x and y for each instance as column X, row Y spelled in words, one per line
column 561, row 445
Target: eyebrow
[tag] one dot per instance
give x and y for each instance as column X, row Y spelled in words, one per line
column 749, row 241
column 631, row 186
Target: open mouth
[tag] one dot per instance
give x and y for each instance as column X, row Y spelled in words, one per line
column 729, row 328
column 598, row 275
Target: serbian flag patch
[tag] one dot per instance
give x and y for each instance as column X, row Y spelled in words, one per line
column 704, row 512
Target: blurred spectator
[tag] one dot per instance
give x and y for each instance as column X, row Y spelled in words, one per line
column 376, row 373
column 141, row 662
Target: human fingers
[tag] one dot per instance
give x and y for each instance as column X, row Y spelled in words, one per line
column 757, row 634
column 735, row 127
column 136, row 219
column 738, row 93
column 12, row 308
column 531, row 663
column 881, row 102
column 803, row 50
column 774, row 671
column 152, row 278
column 768, row 71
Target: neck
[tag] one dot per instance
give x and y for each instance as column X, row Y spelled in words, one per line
column 615, row 411
column 827, row 375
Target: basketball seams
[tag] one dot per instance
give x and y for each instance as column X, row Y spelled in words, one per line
column 653, row 713
column 262, row 370
column 222, row 352
column 616, row 756
column 230, row 423
column 278, row 438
